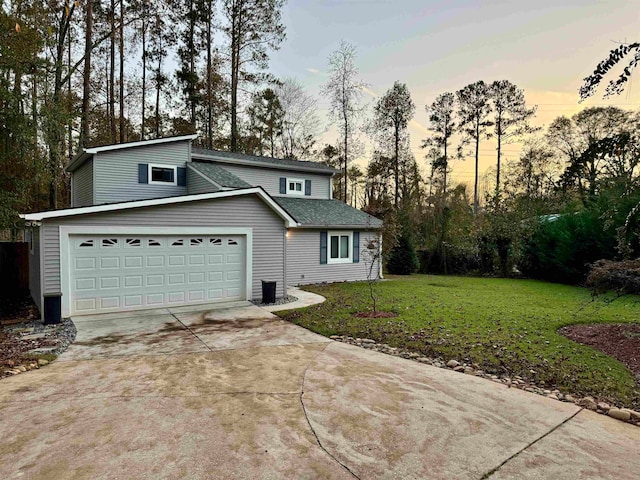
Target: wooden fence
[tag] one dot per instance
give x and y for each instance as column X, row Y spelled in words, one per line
column 14, row 267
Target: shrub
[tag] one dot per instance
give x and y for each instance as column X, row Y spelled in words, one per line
column 403, row 259
column 562, row 249
column 620, row 277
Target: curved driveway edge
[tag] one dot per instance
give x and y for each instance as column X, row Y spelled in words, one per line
column 386, row 417
column 239, row 393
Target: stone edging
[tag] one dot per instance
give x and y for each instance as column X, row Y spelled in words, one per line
column 623, row 414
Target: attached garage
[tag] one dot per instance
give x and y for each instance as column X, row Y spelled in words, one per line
column 195, row 249
column 128, row 272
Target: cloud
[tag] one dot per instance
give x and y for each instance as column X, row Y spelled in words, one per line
column 315, row 71
column 369, row 92
column 419, row 127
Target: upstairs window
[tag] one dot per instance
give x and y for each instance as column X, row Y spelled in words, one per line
column 295, row 186
column 162, row 174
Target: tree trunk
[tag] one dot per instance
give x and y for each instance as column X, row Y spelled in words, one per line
column 69, row 118
column 123, row 137
column 86, row 81
column 397, row 164
column 475, row 184
column 446, row 165
column 144, row 69
column 235, row 67
column 209, row 128
column 112, row 69
column 192, row 68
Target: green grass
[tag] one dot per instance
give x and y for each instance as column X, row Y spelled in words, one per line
column 505, row 326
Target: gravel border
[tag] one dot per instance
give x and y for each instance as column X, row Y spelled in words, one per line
column 62, row 334
column 624, row 414
column 279, row 301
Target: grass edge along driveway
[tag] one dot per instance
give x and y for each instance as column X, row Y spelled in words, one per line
column 505, row 326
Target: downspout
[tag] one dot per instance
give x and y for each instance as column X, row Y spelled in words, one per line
column 380, row 254
column 284, row 253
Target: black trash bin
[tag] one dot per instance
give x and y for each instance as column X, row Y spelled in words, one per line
column 268, row 292
column 52, row 308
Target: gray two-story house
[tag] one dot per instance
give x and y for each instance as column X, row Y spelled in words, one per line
column 160, row 223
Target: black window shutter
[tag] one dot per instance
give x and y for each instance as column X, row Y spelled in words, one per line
column 307, row 187
column 323, row 248
column 356, row 247
column 283, row 185
column 182, row 177
column 143, row 173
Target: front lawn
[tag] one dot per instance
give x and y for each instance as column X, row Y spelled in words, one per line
column 505, row 326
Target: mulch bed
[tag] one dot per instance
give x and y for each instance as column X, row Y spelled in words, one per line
column 621, row 341
column 375, row 314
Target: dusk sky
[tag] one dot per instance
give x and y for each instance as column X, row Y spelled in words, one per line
column 545, row 47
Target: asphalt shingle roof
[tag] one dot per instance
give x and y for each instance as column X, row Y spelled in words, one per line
column 269, row 161
column 326, row 213
column 222, row 177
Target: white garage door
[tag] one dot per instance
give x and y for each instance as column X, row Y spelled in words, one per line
column 127, row 272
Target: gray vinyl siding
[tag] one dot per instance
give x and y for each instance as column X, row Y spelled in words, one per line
column 269, row 179
column 246, row 211
column 196, row 183
column 34, row 268
column 83, row 185
column 303, row 260
column 116, row 172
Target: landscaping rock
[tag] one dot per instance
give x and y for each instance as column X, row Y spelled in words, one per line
column 588, row 402
column 634, row 415
column 335, row 337
column 619, row 414
column 570, row 398
column 468, row 370
column 22, row 368
column 604, row 406
column 459, row 368
column 453, row 363
column 42, row 362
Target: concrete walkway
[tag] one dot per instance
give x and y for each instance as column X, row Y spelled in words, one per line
column 238, row 393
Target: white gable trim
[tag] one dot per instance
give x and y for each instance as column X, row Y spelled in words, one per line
column 142, row 143
column 290, row 221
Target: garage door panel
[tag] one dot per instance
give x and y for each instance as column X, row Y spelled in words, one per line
column 177, row 279
column 133, row 262
column 85, row 263
column 111, row 272
column 109, row 282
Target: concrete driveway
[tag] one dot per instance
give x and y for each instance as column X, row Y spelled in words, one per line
column 238, row 393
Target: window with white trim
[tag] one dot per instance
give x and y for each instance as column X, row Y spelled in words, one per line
column 295, row 186
column 162, row 174
column 340, row 247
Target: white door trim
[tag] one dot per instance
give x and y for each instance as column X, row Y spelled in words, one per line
column 65, row 254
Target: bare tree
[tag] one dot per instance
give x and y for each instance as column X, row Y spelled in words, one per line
column 344, row 89
column 300, row 123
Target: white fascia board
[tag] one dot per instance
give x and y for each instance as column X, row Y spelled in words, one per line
column 87, row 152
column 142, row 143
column 290, row 221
